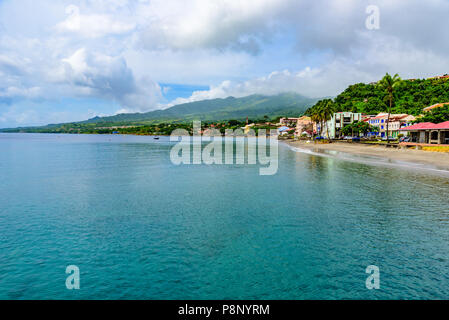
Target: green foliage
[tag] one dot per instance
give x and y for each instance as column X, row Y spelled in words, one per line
column 358, row 128
column 321, row 112
column 254, row 106
column 410, row 97
column 436, row 115
column 258, row 108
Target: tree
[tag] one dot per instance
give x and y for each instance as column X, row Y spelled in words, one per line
column 389, row 84
column 358, row 128
column 436, row 115
column 327, row 111
column 322, row 112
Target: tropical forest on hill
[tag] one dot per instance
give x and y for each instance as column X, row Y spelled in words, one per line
column 410, row 97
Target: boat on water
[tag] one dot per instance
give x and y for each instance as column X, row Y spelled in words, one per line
column 156, row 138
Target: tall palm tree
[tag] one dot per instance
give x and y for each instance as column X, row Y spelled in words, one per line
column 315, row 114
column 389, row 83
column 327, row 112
column 321, row 113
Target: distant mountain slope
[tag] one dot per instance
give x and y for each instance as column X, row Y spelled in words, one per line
column 254, row 106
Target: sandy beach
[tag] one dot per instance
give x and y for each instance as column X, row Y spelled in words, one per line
column 440, row 160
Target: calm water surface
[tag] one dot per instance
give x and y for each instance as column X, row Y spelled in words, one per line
column 139, row 227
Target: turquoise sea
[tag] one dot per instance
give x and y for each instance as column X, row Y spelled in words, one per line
column 139, row 227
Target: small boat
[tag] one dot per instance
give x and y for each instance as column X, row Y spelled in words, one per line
column 156, row 138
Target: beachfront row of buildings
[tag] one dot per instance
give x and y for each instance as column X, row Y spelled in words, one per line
column 398, row 124
column 304, row 126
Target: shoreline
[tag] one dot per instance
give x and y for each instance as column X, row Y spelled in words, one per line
column 414, row 158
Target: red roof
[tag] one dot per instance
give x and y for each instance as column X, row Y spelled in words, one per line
column 443, row 125
column 427, row 126
column 420, row 126
column 379, row 117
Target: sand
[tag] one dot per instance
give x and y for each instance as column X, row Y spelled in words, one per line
column 437, row 159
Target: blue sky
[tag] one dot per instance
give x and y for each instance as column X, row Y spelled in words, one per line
column 70, row 60
column 171, row 91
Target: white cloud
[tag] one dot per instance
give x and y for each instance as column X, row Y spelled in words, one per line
column 119, row 50
column 210, row 24
column 99, row 75
column 92, row 25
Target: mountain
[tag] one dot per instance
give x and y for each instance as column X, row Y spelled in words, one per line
column 254, row 107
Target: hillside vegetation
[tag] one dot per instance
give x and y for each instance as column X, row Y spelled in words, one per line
column 411, row 96
column 255, row 107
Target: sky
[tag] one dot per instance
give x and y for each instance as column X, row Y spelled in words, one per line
column 63, row 61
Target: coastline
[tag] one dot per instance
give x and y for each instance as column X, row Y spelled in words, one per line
column 437, row 160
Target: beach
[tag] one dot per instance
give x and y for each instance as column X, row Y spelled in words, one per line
column 437, row 159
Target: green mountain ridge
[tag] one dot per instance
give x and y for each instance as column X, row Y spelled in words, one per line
column 254, row 107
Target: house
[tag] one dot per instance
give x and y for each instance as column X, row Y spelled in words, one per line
column 247, row 128
column 396, row 122
column 338, row 121
column 378, row 121
column 283, row 130
column 429, row 133
column 304, row 125
column 438, row 105
column 446, row 76
column 288, row 122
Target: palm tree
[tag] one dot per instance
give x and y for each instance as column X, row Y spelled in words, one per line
column 314, row 113
column 389, row 83
column 321, row 113
column 328, row 110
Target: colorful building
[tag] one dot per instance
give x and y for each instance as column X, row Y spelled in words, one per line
column 395, row 125
column 304, row 125
column 288, row 122
column 429, row 133
column 338, row 121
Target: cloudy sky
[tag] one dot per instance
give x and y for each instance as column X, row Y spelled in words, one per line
column 71, row 60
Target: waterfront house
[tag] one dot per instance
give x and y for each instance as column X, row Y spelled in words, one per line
column 380, row 122
column 395, row 125
column 338, row 121
column 304, row 125
column 429, row 133
column 398, row 122
column 283, row 130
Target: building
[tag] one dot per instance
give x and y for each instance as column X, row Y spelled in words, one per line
column 288, row 122
column 429, row 133
column 438, row 105
column 395, row 125
column 283, row 130
column 338, row 121
column 304, row 125
column 248, row 127
column 378, row 121
column 399, row 122
column 446, row 76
